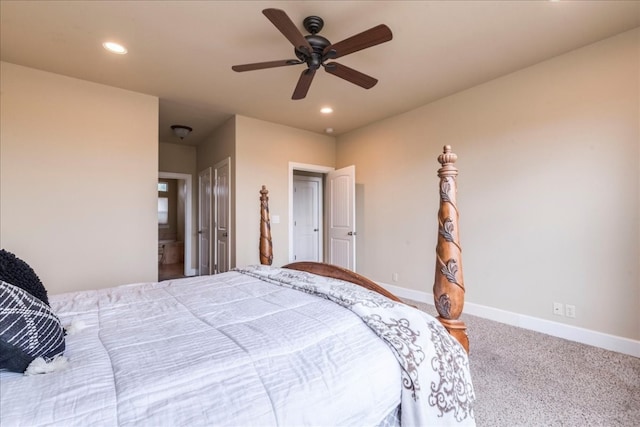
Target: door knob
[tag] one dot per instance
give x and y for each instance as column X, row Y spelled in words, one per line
column 224, row 234
column 315, row 229
column 351, row 233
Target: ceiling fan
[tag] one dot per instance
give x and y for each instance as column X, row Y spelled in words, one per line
column 315, row 50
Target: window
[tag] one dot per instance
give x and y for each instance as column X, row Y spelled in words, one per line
column 163, row 210
column 163, row 187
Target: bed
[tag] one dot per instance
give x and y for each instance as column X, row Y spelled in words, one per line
column 302, row 344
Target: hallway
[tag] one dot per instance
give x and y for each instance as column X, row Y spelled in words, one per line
column 170, row 271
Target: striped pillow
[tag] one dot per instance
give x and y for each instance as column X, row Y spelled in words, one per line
column 28, row 329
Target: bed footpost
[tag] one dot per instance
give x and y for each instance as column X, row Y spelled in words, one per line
column 448, row 288
column 266, row 248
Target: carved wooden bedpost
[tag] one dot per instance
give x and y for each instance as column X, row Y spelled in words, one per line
column 266, row 248
column 448, row 288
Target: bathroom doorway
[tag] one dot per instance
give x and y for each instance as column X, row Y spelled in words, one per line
column 174, row 225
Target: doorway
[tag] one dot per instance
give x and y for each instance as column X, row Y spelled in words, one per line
column 178, row 248
column 336, row 218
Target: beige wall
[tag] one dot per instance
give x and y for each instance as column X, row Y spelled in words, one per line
column 78, row 179
column 264, row 151
column 549, row 188
column 177, row 158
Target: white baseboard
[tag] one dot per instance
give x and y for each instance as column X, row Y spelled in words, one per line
column 560, row 330
column 411, row 294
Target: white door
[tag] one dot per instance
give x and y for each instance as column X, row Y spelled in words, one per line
column 341, row 202
column 204, row 222
column 222, row 215
column 307, row 219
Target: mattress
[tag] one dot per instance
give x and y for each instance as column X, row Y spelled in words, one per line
column 231, row 349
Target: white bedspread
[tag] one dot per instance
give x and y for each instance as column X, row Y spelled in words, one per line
column 229, row 349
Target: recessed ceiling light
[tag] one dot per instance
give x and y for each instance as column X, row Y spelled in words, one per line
column 326, row 110
column 115, row 48
column 329, row 130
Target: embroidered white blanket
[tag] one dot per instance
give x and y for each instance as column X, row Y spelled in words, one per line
column 436, row 381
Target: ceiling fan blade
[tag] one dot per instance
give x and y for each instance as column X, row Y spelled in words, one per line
column 350, row 75
column 303, row 84
column 284, row 24
column 371, row 37
column 262, row 65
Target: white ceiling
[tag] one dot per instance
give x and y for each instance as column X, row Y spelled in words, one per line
column 182, row 52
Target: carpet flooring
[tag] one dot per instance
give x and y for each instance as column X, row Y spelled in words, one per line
column 525, row 378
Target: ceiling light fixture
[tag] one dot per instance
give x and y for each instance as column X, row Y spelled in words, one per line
column 115, row 48
column 326, row 110
column 181, row 131
column 329, row 130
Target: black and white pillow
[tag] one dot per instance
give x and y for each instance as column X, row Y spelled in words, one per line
column 17, row 272
column 28, row 329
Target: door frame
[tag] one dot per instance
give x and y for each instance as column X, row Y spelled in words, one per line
column 188, row 220
column 294, row 166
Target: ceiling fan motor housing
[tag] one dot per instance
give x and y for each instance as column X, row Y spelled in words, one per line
column 315, row 58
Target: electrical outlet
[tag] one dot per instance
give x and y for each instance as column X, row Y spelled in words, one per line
column 570, row 310
column 558, row 309
column 395, row 277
